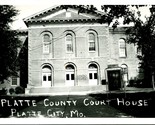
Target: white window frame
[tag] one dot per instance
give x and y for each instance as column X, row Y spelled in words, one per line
column 17, row 78
column 47, row 71
column 70, row 72
column 46, row 45
column 122, row 50
column 67, row 43
column 91, row 41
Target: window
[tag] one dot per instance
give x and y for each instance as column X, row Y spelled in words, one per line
column 69, row 43
column 70, row 75
column 46, row 76
column 46, row 43
column 122, row 48
column 93, row 74
column 67, row 77
column 90, row 76
column 91, row 40
column 14, row 81
column 49, row 77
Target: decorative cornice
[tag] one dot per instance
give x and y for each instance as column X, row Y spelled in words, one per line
column 63, row 21
column 22, row 31
column 33, row 18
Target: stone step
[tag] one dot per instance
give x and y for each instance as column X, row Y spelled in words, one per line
column 67, row 90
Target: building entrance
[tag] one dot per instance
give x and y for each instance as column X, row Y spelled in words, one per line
column 93, row 74
column 46, row 76
column 70, row 75
column 114, row 79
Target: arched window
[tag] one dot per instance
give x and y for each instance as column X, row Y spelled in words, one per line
column 70, row 75
column 69, row 43
column 93, row 74
column 46, row 76
column 122, row 48
column 91, row 41
column 46, row 43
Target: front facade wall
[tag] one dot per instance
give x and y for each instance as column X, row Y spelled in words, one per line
column 58, row 58
column 131, row 61
column 107, row 53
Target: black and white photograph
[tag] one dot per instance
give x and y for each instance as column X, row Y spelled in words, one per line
column 77, row 60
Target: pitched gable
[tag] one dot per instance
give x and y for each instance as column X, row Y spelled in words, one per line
column 67, row 14
column 59, row 13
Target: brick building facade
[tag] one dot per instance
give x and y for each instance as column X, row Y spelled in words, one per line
column 71, row 51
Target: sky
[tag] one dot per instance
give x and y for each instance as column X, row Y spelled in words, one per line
column 29, row 7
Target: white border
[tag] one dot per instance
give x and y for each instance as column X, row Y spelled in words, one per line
column 86, row 2
column 76, row 120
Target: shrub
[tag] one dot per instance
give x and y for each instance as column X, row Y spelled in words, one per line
column 19, row 90
column 131, row 83
column 11, row 91
column 3, row 91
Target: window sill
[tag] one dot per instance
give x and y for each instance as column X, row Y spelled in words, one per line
column 14, row 85
column 92, row 51
column 69, row 53
column 123, row 57
column 46, row 53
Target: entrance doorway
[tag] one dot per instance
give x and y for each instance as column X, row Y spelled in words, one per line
column 114, row 79
column 70, row 75
column 46, row 76
column 93, row 74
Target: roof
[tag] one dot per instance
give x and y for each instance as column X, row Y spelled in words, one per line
column 51, row 15
column 22, row 31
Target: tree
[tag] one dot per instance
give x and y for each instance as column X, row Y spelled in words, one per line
column 9, row 43
column 142, row 34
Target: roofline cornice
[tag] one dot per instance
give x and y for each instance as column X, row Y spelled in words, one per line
column 54, row 8
column 63, row 21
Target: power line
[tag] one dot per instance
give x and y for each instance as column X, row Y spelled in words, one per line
column 60, row 37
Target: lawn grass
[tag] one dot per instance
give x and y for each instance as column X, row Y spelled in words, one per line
column 92, row 105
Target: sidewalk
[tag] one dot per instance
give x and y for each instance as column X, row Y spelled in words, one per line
column 128, row 90
column 131, row 90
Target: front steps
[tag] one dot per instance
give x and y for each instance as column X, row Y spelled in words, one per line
column 66, row 90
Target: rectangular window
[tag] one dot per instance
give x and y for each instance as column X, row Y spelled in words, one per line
column 69, row 48
column 49, row 78
column 72, row 76
column 95, row 75
column 46, row 48
column 46, row 43
column 44, row 78
column 67, row 76
column 14, row 80
column 91, row 46
column 90, row 76
column 91, row 40
column 69, row 43
column 122, row 48
column 122, row 52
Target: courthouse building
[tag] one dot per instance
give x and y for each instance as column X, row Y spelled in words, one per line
column 70, row 51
